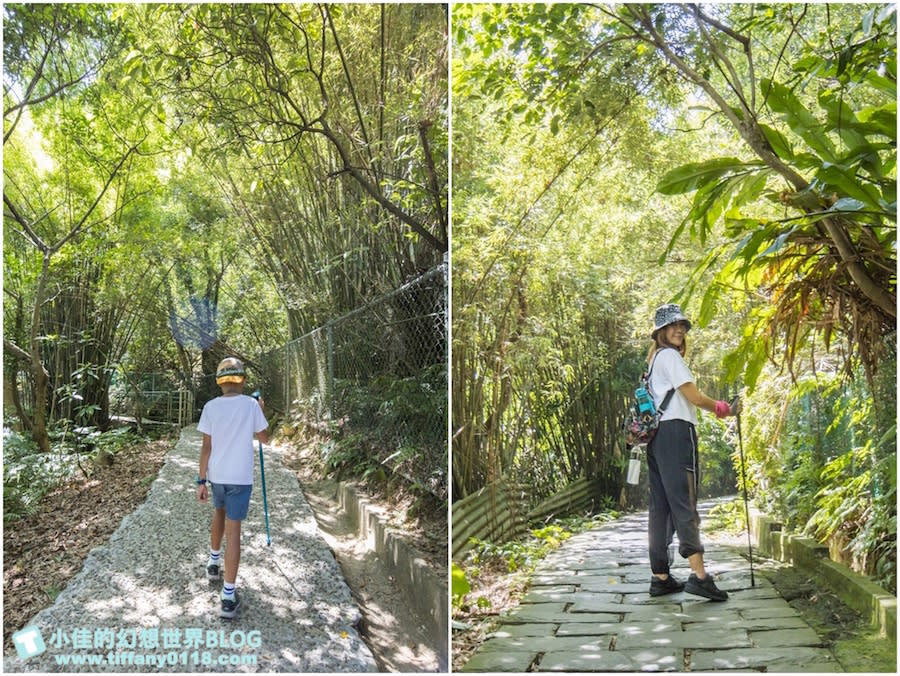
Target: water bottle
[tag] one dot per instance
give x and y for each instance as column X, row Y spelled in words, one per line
column 634, row 468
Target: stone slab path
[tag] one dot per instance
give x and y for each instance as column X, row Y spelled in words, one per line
column 588, row 608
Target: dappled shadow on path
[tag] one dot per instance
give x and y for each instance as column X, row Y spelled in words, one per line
column 44, row 550
column 589, row 609
column 395, row 634
column 145, row 591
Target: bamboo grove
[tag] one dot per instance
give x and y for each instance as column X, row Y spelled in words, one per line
column 182, row 181
column 185, row 181
column 737, row 159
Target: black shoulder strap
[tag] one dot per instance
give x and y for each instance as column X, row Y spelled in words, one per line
column 668, row 397
column 666, row 400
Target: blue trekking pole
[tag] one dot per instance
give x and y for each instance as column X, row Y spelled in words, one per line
column 262, row 473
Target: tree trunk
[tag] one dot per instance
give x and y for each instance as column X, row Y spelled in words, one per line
column 834, row 227
column 750, row 131
column 41, row 396
column 41, row 377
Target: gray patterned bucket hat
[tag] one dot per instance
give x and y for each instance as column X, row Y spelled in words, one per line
column 668, row 314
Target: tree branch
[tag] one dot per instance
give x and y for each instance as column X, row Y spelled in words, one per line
column 34, row 80
column 377, row 195
column 752, row 134
column 346, row 69
column 80, row 225
column 734, row 82
column 434, row 184
column 749, row 130
column 26, row 226
column 18, row 352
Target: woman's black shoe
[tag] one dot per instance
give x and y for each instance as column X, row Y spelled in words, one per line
column 668, row 586
column 705, row 587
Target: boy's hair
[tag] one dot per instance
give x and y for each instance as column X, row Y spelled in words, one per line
column 230, row 370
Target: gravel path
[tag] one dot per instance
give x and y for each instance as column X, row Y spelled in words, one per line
column 142, row 602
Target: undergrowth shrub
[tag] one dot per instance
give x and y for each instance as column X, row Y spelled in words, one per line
column 29, row 474
column 518, row 557
column 394, row 424
column 824, row 460
column 717, row 475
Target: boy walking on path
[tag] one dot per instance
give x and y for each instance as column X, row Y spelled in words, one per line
column 228, row 424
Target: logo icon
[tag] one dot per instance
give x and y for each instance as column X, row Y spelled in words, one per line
column 29, row 642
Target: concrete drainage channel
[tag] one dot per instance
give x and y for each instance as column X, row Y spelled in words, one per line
column 875, row 604
column 422, row 589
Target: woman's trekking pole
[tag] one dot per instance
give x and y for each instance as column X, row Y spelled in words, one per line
column 262, row 473
column 744, row 481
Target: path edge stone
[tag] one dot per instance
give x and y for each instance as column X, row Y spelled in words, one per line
column 811, row 557
column 420, row 586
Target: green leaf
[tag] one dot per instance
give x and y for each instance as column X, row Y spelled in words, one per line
column 708, row 204
column 847, row 204
column 697, row 276
column 807, row 161
column 868, row 18
column 866, row 156
column 689, row 177
column 750, row 187
column 879, row 120
column 844, row 59
column 885, row 12
column 735, row 225
column 780, row 145
column 748, row 247
column 746, row 363
column 673, row 240
column 841, row 118
column 882, row 84
column 709, row 304
column 778, row 244
column 783, row 101
column 846, row 183
column 459, row 584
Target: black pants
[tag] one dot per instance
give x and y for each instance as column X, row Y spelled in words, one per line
column 674, row 479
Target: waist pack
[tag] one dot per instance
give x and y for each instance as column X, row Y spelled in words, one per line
column 643, row 416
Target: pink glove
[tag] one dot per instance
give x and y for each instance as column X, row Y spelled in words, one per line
column 723, row 410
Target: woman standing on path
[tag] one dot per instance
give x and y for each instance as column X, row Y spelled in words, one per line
column 673, row 461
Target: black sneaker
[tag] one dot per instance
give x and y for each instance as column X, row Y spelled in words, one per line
column 213, row 572
column 230, row 606
column 705, row 587
column 668, row 586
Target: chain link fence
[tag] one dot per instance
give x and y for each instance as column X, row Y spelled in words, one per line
column 378, row 376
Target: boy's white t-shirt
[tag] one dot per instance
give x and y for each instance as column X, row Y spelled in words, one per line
column 231, row 423
column 669, row 370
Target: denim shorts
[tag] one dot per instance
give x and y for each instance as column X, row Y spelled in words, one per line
column 235, row 498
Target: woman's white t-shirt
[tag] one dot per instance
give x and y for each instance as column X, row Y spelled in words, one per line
column 669, row 370
column 231, row 423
